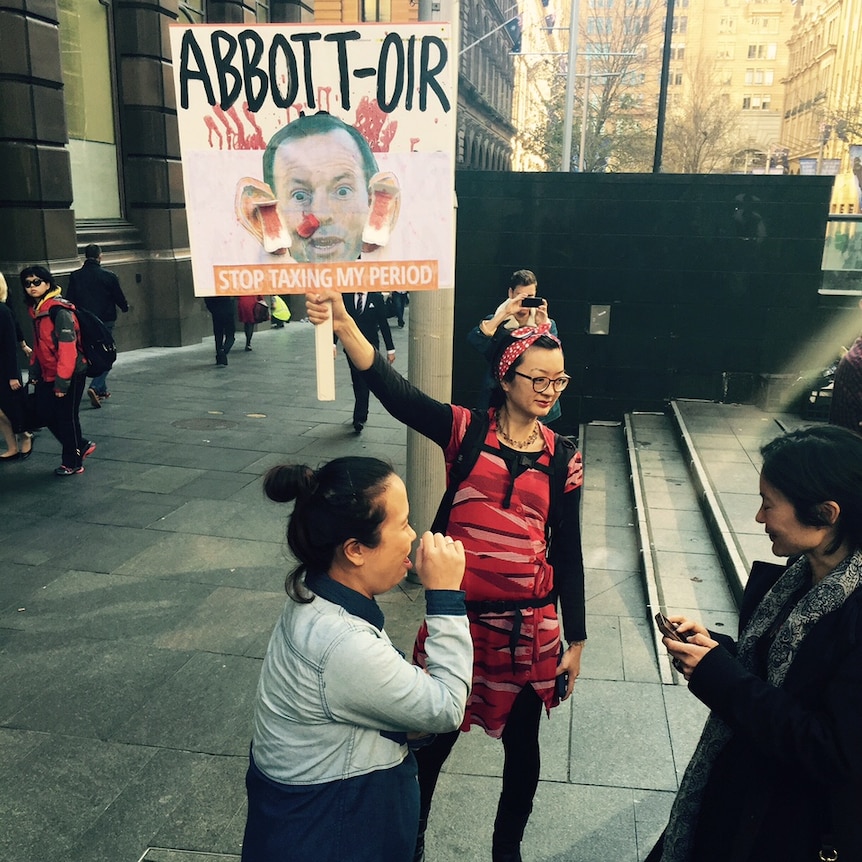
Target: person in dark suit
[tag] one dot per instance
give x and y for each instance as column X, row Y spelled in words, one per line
column 98, row 291
column 369, row 312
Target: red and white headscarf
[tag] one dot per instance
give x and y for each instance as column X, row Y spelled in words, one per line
column 522, row 338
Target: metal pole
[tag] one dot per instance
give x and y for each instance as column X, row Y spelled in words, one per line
column 569, row 110
column 662, row 94
column 432, row 314
column 585, row 115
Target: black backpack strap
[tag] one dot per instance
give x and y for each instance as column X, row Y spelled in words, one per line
column 465, row 460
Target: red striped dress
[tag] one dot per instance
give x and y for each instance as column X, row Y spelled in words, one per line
column 506, row 560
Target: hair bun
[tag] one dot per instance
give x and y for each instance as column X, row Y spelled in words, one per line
column 287, row 482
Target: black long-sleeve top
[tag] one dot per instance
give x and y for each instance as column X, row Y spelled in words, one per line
column 434, row 420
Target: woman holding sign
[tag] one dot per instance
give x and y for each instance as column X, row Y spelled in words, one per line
column 520, row 488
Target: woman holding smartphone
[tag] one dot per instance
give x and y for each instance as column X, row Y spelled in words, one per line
column 777, row 774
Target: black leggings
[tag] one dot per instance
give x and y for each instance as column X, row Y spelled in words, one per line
column 60, row 416
column 521, row 757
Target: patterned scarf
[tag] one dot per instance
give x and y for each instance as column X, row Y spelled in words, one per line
column 822, row 599
column 522, row 338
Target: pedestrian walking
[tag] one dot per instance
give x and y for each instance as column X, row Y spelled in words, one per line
column 98, row 291
column 57, row 366
column 222, row 309
column 369, row 312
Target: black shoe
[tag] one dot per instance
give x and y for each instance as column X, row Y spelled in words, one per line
column 357, row 427
column 221, row 358
column 401, row 324
column 419, row 849
column 248, row 348
column 22, row 455
column 94, row 398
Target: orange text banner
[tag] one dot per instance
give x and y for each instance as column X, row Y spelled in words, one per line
column 354, row 277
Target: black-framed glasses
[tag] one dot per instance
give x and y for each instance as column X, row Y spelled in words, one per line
column 540, row 384
column 34, row 283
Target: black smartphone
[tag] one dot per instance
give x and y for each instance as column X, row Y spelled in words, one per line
column 562, row 685
column 666, row 627
column 532, row 302
column 562, row 681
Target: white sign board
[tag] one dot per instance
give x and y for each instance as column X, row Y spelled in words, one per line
column 317, row 156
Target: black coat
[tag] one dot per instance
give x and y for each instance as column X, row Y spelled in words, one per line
column 372, row 319
column 792, row 771
column 97, row 290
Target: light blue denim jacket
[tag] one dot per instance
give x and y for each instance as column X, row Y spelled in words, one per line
column 332, row 682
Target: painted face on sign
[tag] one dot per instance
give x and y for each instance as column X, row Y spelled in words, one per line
column 323, row 197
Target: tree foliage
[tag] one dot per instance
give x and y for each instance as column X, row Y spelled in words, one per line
column 702, row 131
column 620, row 48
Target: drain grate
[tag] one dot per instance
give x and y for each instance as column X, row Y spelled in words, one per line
column 204, row 424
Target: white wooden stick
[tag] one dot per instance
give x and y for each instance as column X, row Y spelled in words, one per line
column 325, row 356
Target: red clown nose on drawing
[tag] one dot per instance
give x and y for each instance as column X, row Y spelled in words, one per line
column 308, row 225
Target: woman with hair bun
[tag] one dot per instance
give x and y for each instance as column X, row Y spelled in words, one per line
column 331, row 774
column 777, row 774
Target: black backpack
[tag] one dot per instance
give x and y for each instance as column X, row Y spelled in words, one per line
column 468, row 454
column 96, row 342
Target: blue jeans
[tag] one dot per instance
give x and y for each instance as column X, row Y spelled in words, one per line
column 100, row 383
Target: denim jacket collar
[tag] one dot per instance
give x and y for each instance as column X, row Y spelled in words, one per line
column 353, row 602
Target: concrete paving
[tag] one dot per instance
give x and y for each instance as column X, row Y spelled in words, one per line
column 136, row 601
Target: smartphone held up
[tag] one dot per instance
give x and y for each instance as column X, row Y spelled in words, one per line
column 532, row 302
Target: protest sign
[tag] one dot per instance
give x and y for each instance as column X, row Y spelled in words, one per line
column 317, row 155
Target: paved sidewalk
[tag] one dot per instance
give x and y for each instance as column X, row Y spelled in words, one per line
column 136, row 601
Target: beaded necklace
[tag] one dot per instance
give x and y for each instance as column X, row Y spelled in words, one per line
column 522, row 444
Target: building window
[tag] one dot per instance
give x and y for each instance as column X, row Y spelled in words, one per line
column 376, row 10
column 680, row 24
column 725, row 52
column 759, row 76
column 192, row 11
column 727, row 25
column 88, row 93
column 598, row 26
column 762, row 51
column 677, row 52
column 636, row 24
column 757, row 103
column 768, row 24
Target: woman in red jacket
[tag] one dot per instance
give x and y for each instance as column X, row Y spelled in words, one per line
column 246, row 306
column 57, row 366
